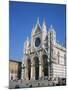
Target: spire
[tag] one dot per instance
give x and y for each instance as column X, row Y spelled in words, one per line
column 44, row 26
column 51, row 26
column 44, row 22
column 27, row 38
column 44, row 31
column 24, row 48
column 37, row 27
column 27, row 42
column 33, row 29
column 27, row 45
column 38, row 21
column 32, row 33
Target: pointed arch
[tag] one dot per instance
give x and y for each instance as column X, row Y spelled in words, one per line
column 38, row 29
column 45, row 65
column 28, row 67
column 36, row 63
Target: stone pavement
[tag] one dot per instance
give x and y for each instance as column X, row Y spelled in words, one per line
column 27, row 84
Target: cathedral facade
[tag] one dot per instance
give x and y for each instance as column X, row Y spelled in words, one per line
column 43, row 57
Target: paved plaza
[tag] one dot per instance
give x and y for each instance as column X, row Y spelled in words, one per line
column 27, row 84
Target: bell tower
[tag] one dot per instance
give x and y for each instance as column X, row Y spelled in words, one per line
column 51, row 40
column 51, row 44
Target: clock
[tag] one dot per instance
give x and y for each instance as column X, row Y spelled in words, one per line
column 37, row 41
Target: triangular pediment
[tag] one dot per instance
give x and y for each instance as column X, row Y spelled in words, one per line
column 38, row 29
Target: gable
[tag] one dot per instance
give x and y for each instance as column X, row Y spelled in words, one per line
column 38, row 29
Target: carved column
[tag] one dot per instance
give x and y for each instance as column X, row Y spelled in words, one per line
column 41, row 73
column 48, row 68
column 26, row 70
column 32, row 68
column 23, row 72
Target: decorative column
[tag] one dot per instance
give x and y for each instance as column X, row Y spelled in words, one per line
column 41, row 73
column 26, row 73
column 26, row 69
column 23, row 72
column 48, row 69
column 32, row 68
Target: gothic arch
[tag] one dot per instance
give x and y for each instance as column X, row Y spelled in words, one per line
column 45, row 65
column 28, row 66
column 36, row 64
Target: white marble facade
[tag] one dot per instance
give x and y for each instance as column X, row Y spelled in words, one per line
column 43, row 56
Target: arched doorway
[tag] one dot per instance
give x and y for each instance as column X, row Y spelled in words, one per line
column 36, row 59
column 29, row 68
column 45, row 65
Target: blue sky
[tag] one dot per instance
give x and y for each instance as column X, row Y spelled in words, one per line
column 22, row 16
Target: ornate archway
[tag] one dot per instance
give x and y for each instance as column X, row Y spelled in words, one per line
column 45, row 65
column 36, row 61
column 29, row 68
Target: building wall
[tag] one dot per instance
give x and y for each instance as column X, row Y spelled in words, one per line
column 59, row 62
column 44, row 43
column 59, row 71
column 14, row 69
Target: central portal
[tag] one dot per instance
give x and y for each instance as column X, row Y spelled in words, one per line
column 36, row 68
column 45, row 65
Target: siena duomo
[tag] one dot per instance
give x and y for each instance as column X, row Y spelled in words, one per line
column 43, row 57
